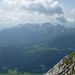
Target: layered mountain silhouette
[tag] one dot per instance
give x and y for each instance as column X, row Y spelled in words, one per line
column 35, row 33
column 34, row 48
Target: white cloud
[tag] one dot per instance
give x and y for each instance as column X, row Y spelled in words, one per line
column 9, row 3
column 7, row 16
column 25, row 9
column 61, row 18
column 1, row 11
column 46, row 7
column 73, row 11
column 70, row 20
column 33, row 10
column 64, row 19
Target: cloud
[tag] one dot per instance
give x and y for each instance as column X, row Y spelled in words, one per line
column 70, row 20
column 9, row 3
column 73, row 11
column 33, row 10
column 61, row 18
column 46, row 7
column 1, row 11
column 7, row 16
column 64, row 19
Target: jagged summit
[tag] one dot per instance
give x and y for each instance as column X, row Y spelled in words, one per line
column 65, row 67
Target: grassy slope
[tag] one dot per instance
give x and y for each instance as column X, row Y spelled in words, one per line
column 24, row 74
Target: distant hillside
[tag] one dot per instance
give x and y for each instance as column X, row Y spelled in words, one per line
column 38, row 58
column 34, row 48
column 65, row 67
column 53, row 35
column 29, row 33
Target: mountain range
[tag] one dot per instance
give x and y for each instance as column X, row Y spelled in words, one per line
column 34, row 47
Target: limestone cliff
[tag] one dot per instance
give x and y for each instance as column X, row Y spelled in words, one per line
column 64, row 67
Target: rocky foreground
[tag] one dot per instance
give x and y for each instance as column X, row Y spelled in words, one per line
column 64, row 67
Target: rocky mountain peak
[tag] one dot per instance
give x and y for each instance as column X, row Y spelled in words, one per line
column 64, row 67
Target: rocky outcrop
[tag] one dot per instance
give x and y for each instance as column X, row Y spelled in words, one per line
column 65, row 67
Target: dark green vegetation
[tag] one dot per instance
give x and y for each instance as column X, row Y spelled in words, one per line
column 67, row 60
column 34, row 48
column 35, row 59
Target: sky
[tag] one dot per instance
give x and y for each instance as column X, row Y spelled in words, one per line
column 13, row 12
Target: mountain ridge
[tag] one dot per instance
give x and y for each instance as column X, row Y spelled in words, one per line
column 38, row 44
column 23, row 33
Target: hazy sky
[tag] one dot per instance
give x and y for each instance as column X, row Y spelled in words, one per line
column 37, row 11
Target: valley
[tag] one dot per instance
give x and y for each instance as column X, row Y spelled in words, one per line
column 34, row 48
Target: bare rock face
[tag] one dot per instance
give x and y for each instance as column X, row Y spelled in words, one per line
column 64, row 67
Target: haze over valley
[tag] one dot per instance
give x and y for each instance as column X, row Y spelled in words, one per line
column 35, row 35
